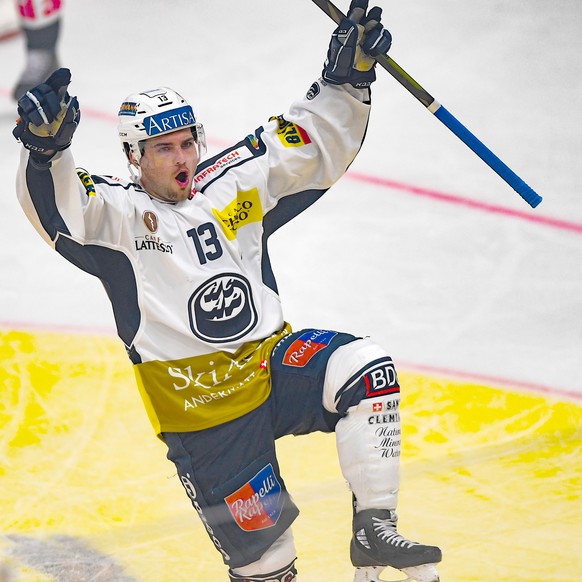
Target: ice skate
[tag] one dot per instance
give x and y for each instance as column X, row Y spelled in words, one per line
column 377, row 544
column 39, row 65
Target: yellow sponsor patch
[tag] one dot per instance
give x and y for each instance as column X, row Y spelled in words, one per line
column 291, row 134
column 243, row 210
column 87, row 181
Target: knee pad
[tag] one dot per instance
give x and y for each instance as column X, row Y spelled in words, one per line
column 356, row 371
column 268, row 566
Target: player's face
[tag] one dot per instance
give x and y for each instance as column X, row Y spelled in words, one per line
column 168, row 165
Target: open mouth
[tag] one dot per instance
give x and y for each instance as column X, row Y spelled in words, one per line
column 182, row 178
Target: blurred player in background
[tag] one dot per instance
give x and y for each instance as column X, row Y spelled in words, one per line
column 221, row 373
column 40, row 21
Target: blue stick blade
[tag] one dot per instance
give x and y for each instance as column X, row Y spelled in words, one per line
column 525, row 191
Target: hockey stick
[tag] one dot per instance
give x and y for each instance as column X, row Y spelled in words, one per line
column 525, row 191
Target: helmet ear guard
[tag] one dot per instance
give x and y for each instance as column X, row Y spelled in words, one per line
column 200, row 138
column 133, row 164
column 152, row 113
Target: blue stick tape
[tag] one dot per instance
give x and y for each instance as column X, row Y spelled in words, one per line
column 527, row 193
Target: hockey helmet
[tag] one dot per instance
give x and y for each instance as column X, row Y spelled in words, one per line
column 152, row 113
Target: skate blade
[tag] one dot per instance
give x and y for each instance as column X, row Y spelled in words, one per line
column 423, row 573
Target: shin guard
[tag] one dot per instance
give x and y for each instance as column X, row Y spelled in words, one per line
column 362, row 385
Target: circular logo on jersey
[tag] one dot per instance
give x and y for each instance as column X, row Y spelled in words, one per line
column 222, row 309
column 150, row 220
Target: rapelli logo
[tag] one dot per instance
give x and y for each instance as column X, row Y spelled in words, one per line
column 257, row 504
column 300, row 352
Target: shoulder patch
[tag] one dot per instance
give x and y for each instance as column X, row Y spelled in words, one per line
column 290, row 134
column 87, row 181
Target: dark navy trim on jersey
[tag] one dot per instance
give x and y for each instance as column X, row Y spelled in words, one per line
column 286, row 209
column 115, row 272
column 111, row 181
column 257, row 151
column 40, row 184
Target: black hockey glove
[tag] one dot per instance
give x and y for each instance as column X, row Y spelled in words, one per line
column 355, row 42
column 49, row 117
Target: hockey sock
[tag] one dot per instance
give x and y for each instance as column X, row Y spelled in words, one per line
column 368, row 443
column 361, row 384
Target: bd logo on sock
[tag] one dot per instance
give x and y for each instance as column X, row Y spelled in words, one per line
column 257, row 504
column 382, row 379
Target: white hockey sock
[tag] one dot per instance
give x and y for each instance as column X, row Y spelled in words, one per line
column 368, row 437
column 280, row 554
column 368, row 444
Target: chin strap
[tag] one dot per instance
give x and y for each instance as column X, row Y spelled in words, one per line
column 134, row 172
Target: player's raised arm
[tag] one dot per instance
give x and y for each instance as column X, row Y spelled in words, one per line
column 312, row 145
column 48, row 118
column 57, row 198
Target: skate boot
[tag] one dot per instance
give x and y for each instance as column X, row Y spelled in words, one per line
column 39, row 65
column 377, row 544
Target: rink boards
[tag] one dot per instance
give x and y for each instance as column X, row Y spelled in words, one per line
column 491, row 475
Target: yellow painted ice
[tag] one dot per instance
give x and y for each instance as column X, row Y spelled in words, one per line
column 491, row 475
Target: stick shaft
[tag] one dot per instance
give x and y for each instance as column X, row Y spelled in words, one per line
column 444, row 116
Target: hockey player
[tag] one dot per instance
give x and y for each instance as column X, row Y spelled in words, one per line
column 40, row 20
column 182, row 252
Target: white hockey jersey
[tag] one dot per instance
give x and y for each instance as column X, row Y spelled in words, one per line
column 193, row 294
